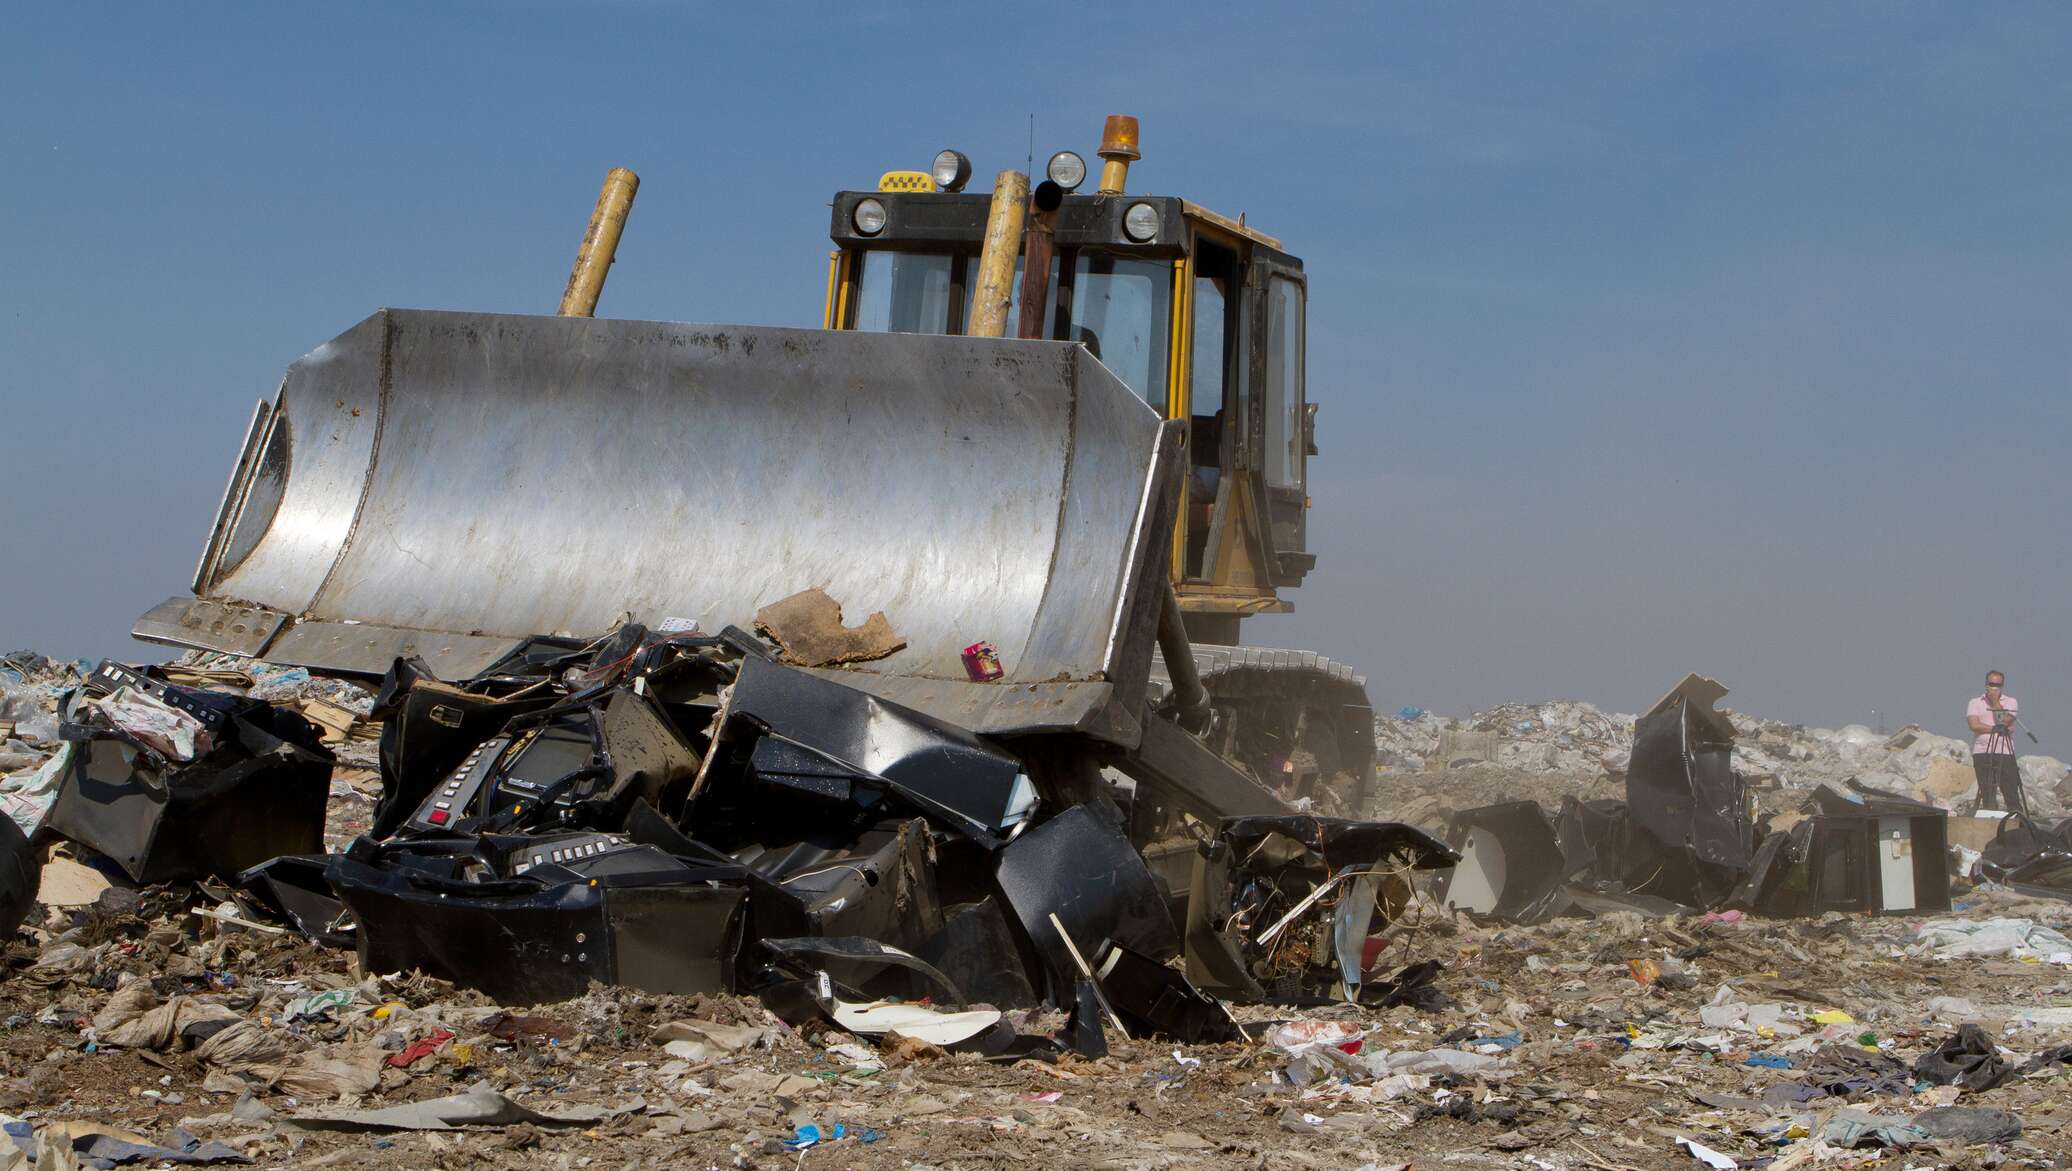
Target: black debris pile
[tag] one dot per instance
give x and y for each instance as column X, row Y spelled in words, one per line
column 1851, row 849
column 1690, row 830
column 1515, row 865
column 1969, row 1059
column 1292, row 908
column 1685, row 839
column 689, row 813
column 173, row 783
column 2030, row 857
column 1681, row 839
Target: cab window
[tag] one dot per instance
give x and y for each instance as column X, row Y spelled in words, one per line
column 1118, row 307
column 903, row 292
column 1283, row 383
column 1121, row 312
column 1219, row 403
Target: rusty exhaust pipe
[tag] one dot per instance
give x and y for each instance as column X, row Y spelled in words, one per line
column 600, row 243
column 1038, row 246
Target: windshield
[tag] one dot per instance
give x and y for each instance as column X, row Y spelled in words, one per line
column 1120, row 312
column 904, row 292
column 1120, row 306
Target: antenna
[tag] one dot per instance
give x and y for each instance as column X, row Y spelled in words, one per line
column 1032, row 145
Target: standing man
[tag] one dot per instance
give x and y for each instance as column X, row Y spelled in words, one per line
column 1991, row 717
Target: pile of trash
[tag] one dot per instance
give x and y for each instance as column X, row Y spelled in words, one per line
column 1910, row 762
column 1559, row 737
column 1569, row 739
column 30, row 686
column 1692, row 832
column 686, row 813
column 340, row 707
column 145, row 1029
column 667, row 895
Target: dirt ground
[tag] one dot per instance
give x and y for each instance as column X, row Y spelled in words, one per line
column 1607, row 1072
column 1428, row 799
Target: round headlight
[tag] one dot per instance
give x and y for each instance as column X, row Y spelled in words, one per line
column 1140, row 222
column 1066, row 169
column 869, row 217
column 951, row 170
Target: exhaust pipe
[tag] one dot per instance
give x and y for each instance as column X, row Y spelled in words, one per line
column 600, row 243
column 1038, row 246
column 996, row 259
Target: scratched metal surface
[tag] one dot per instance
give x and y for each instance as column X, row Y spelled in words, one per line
column 444, row 482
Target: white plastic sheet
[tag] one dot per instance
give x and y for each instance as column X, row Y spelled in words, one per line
column 27, row 797
column 1949, row 939
column 166, row 729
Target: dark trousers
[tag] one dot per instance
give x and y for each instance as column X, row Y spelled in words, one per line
column 1999, row 781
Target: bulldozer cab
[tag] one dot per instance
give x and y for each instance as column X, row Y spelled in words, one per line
column 1199, row 314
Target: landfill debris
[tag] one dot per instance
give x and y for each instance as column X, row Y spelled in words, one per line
column 915, row 1022
column 982, row 662
column 419, row 1049
column 1561, row 745
column 685, row 813
column 175, row 734
column 479, row 1105
column 66, row 883
column 173, row 783
column 19, row 876
column 318, row 1004
column 1693, row 835
column 1575, row 1013
column 807, row 628
column 106, row 1150
column 1689, row 824
column 1707, row 1155
column 1511, row 863
column 1849, row 1129
column 699, row 1040
column 338, row 721
column 1287, row 906
column 86, row 1145
column 2016, row 938
column 1968, row 1125
column 1853, row 848
column 2025, row 855
column 27, row 796
column 30, row 685
column 1682, row 837
column 1388, row 1027
column 1969, row 1059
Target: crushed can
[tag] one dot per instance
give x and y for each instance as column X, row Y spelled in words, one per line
column 982, row 662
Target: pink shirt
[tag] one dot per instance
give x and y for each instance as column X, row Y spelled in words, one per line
column 1991, row 741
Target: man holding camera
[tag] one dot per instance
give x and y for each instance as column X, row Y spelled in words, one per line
column 1992, row 718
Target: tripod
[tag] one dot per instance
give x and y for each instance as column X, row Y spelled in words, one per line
column 2016, row 719
column 1999, row 773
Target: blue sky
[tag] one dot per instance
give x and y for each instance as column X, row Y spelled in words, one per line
column 1650, row 338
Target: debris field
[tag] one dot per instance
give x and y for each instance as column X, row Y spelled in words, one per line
column 771, row 938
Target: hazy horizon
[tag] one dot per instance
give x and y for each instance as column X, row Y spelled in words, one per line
column 1648, row 340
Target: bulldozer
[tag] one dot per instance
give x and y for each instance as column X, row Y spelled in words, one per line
column 1201, row 316
column 1099, row 500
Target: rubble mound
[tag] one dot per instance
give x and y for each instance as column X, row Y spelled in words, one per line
column 205, row 1022
column 1568, row 745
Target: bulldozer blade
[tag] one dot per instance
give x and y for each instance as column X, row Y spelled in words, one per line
column 442, row 484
